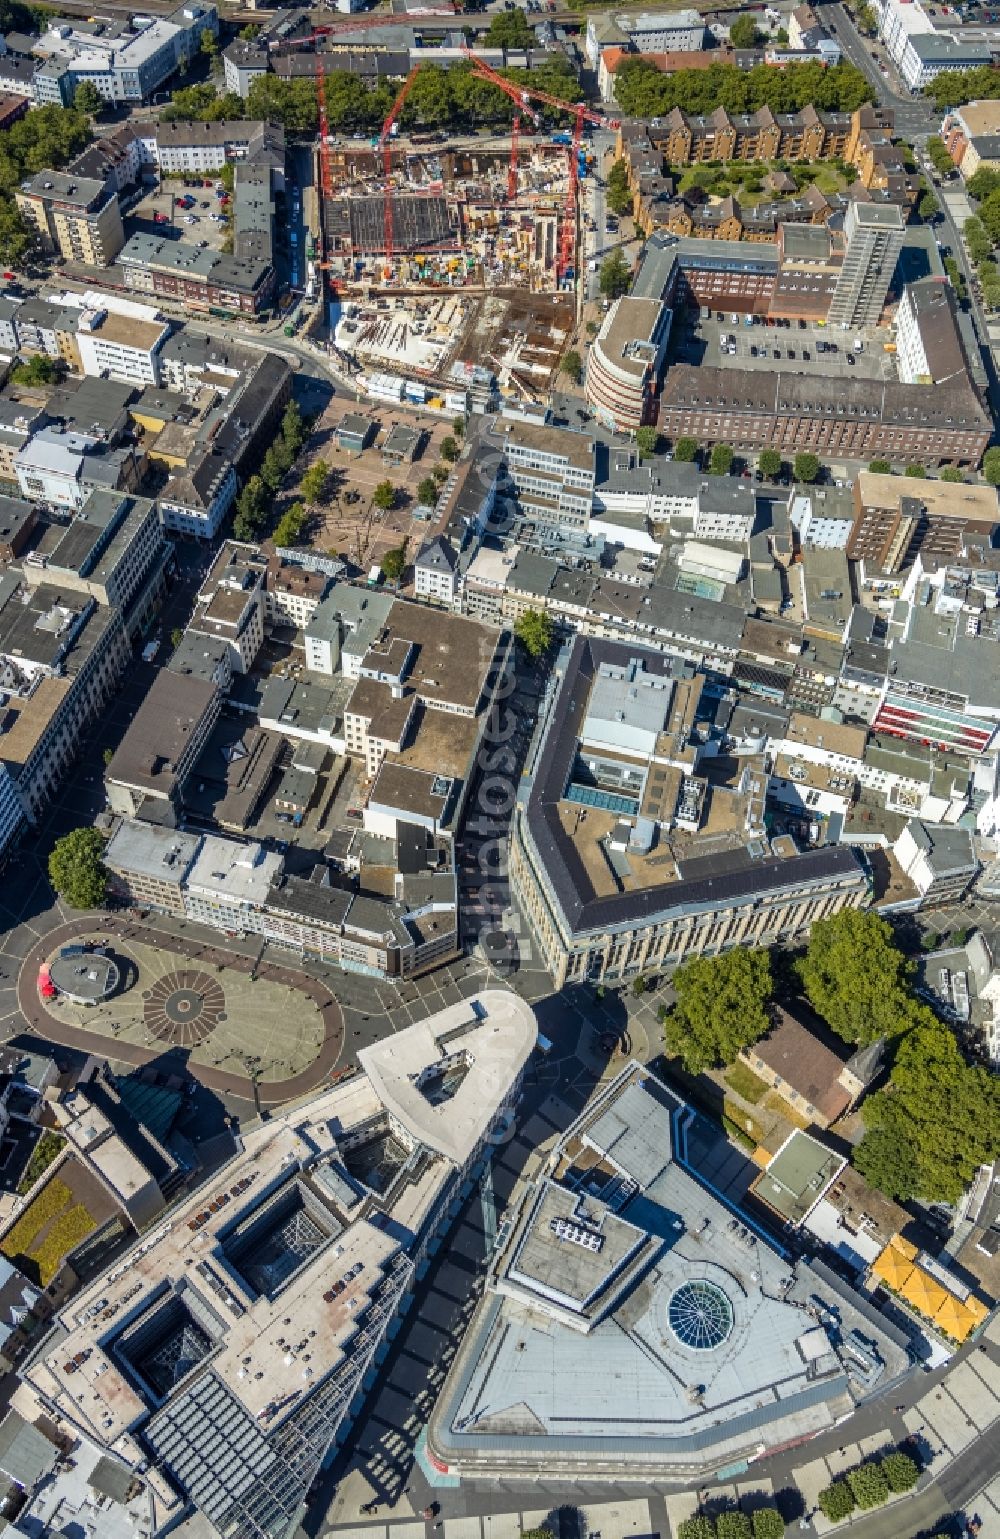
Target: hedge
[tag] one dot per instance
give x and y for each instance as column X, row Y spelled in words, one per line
column 45, row 1151
column 36, row 1215
column 65, row 1235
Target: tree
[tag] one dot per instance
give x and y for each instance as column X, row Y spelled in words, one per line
column 805, row 467
column 572, row 365
column 39, row 370
column 619, row 192
column 936, row 1121
column 698, row 1527
column 900, row 1471
column 639, row 986
column 208, row 43
column 733, row 1525
column 647, row 441
column 866, row 18
column 509, row 29
column 768, row 1523
column 951, row 473
column 176, row 637
column 394, row 562
column 293, row 429
column 77, row 870
column 534, row 630
column 88, row 99
column 458, row 427
column 743, row 33
column 879, row 467
column 616, row 276
column 291, row 525
column 314, row 482
column 836, row 1501
column 17, row 238
column 916, row 472
column 991, row 466
column 274, row 467
column 449, row 449
column 384, row 496
column 251, row 510
column 769, row 463
column 928, row 206
column 869, row 1486
column 686, row 450
column 855, row 976
column 107, row 756
column 427, row 491
column 722, row 1004
column 720, row 461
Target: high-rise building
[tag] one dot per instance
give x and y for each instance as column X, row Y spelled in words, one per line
column 874, row 233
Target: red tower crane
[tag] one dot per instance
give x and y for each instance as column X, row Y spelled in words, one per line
column 515, row 135
column 521, row 96
column 385, row 145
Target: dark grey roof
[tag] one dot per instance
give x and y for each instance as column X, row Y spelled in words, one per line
column 706, row 882
column 25, row 1455
column 437, row 555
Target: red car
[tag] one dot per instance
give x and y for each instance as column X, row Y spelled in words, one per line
column 161, row 218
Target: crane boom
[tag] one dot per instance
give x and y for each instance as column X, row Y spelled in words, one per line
column 522, row 97
column 385, row 145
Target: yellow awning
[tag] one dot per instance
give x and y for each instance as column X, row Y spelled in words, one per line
column 954, row 1318
column 924, row 1293
column 892, row 1268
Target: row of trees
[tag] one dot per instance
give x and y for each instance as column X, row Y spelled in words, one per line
column 438, row 98
column 253, row 505
column 643, row 91
column 764, row 1523
column 954, row 87
column 868, row 1486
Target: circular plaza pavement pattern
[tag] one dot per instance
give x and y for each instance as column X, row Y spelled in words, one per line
column 184, row 1007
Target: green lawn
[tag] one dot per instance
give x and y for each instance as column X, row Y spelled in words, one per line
column 745, row 1083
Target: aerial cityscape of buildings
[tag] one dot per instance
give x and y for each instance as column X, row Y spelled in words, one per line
column 499, row 771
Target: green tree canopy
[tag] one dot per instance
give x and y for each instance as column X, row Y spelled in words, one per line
column 744, row 33
column 879, row 467
column 616, row 276
column 769, row 463
column 805, row 467
column 900, row 1471
column 935, row 1123
column 17, row 237
column 394, row 562
column 77, row 870
column 251, row 510
column 40, row 369
column 449, row 449
column 572, row 365
column 46, row 138
column 856, row 977
column 698, row 1527
column 928, row 206
column 686, row 450
column 951, row 473
column 293, row 429
column 991, row 466
column 427, row 491
column 836, row 1502
column 509, row 29
column 953, row 87
column 866, row 18
column 535, row 631
column 917, row 472
column 722, row 1004
column 721, row 460
column 208, row 42
column 314, row 481
column 733, row 1525
column 647, row 441
column 768, row 1523
column 619, row 193
column 88, row 99
column 643, row 92
column 869, row 1486
column 384, row 496
column 291, row 525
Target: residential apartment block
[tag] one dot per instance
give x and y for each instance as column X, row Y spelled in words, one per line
column 76, row 217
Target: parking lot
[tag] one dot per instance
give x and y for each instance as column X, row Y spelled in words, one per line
column 793, row 346
column 195, row 225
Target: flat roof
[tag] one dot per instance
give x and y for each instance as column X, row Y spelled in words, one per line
column 798, row 1175
column 144, row 849
column 160, row 731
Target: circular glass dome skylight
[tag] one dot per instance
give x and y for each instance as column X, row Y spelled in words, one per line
column 700, row 1315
